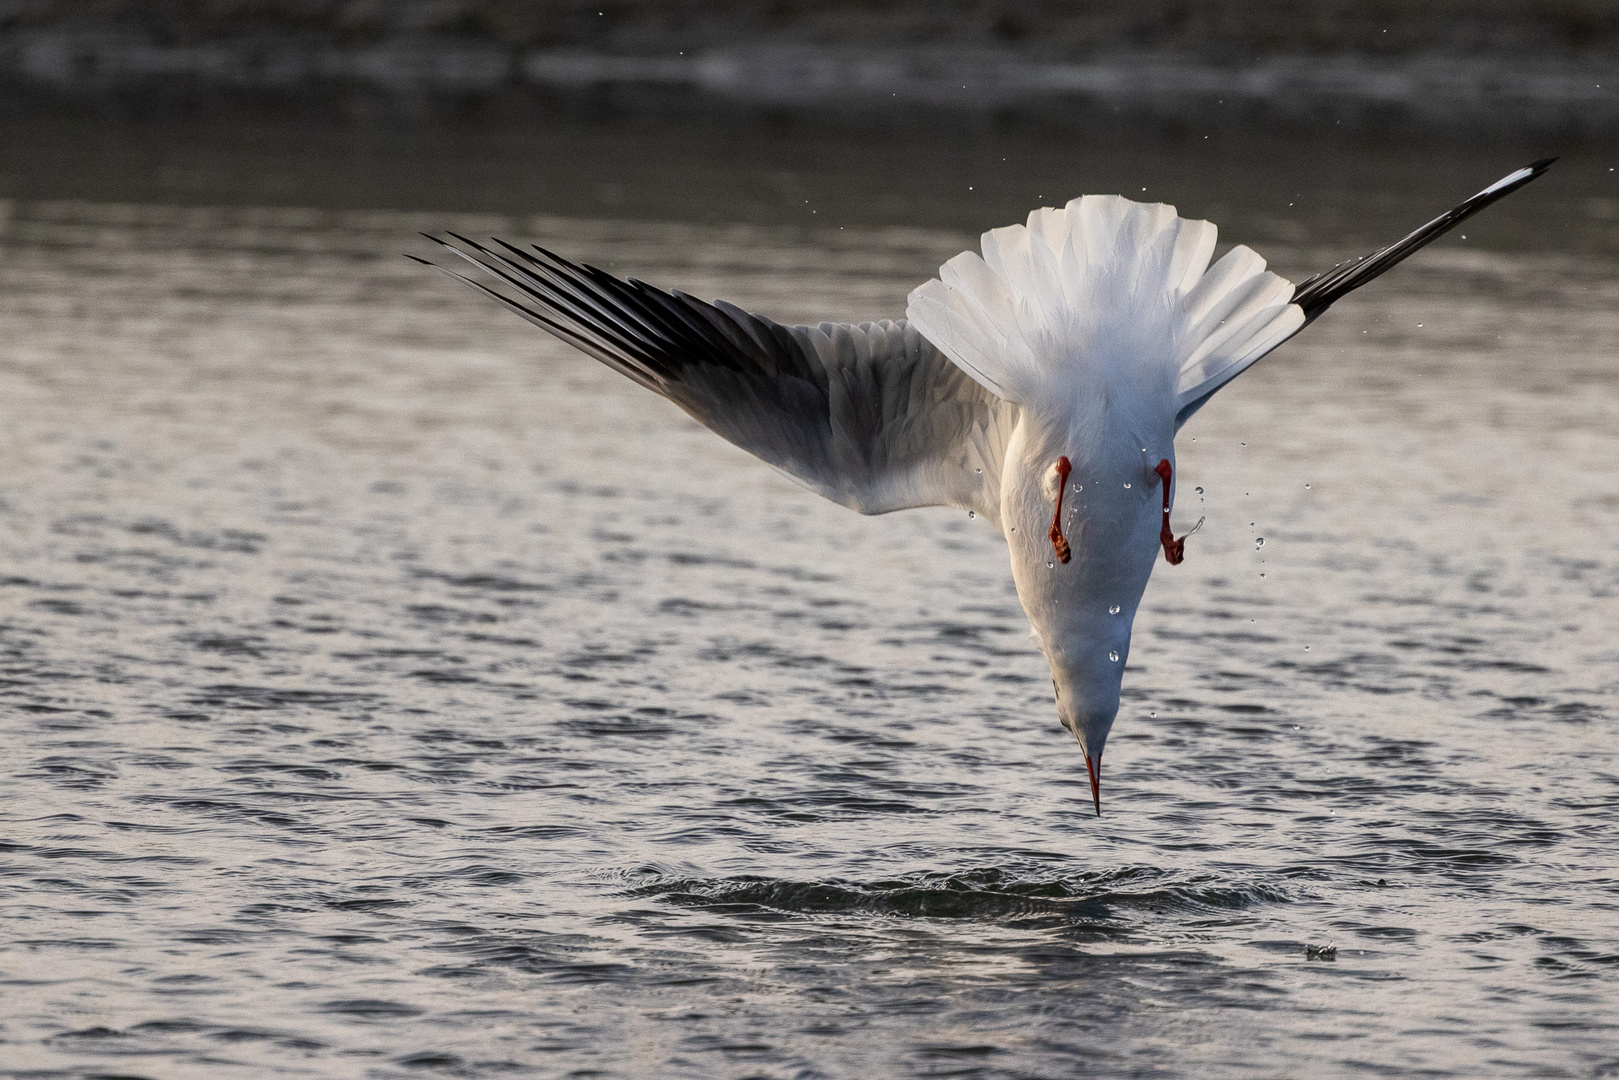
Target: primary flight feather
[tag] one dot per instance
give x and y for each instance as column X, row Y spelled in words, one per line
column 1038, row 383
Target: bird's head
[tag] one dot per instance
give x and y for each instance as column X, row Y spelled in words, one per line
column 1087, row 677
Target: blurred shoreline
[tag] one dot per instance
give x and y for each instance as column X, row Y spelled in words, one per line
column 1545, row 77
column 1342, row 120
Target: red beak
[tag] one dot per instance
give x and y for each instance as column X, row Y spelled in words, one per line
column 1095, row 769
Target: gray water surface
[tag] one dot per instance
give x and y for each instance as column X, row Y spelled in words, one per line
column 387, row 691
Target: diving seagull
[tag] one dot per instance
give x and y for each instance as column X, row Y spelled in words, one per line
column 1038, row 385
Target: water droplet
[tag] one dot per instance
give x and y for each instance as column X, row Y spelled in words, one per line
column 1078, row 488
column 1153, row 715
column 1113, row 656
column 1198, row 490
column 1261, row 575
column 1051, row 566
column 970, row 514
column 1259, row 543
column 1244, row 444
column 1127, row 483
column 1114, row 610
column 1306, row 487
column 1307, row 648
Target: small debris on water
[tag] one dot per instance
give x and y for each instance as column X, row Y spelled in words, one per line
column 1321, row 952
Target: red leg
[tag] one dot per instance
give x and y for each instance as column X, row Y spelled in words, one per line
column 1059, row 543
column 1174, row 550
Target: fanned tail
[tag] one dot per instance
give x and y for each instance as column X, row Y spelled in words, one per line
column 1105, row 291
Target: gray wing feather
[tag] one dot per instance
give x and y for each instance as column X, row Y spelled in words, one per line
column 871, row 416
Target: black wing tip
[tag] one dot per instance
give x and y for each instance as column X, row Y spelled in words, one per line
column 1505, row 186
column 1517, row 179
column 467, row 240
column 1317, row 293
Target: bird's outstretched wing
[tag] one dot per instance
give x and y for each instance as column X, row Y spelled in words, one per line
column 870, row 416
column 1315, row 294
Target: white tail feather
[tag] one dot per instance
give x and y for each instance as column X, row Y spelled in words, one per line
column 1104, row 289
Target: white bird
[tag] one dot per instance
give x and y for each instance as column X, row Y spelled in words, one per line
column 1039, row 385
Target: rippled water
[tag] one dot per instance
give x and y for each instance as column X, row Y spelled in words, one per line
column 390, row 692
